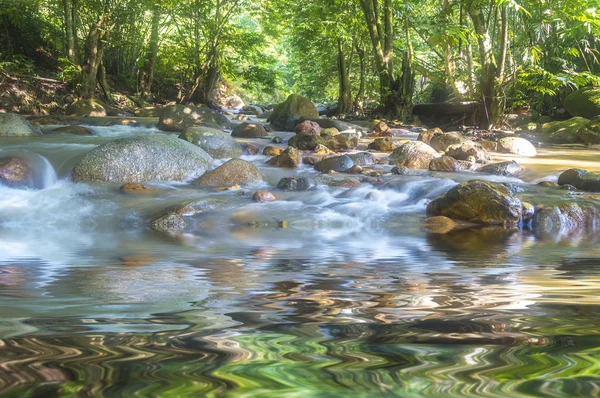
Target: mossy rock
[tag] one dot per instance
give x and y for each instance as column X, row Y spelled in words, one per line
column 590, row 133
column 286, row 115
column 580, row 179
column 563, row 132
column 13, row 125
column 87, row 107
column 306, row 142
column 584, row 102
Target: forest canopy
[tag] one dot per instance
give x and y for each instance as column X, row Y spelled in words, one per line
column 386, row 55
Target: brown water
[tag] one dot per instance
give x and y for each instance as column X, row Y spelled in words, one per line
column 352, row 298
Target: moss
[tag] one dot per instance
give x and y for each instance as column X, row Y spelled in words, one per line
column 584, row 103
column 563, row 132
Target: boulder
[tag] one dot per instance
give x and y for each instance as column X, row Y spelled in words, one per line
column 143, row 158
column 563, row 132
column 216, row 143
column 272, row 150
column 306, row 142
column 308, row 127
column 178, row 117
column 564, row 218
column 290, row 158
column 413, row 154
column 449, row 164
column 382, row 145
column 87, row 107
column 249, row 130
column 263, row 196
column 427, row 136
column 468, row 150
column 590, row 133
column 323, row 150
column 342, row 142
column 265, row 115
column 584, row 102
column 441, row 142
column 580, row 179
column 252, row 109
column 295, row 184
column 232, row 172
column 15, row 172
column 517, row 146
column 507, row 169
column 13, row 125
column 478, row 201
column 363, row 159
column 286, row 115
column 338, row 164
column 72, row 130
column 329, row 132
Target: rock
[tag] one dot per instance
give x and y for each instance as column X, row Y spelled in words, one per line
column 249, row 130
column 117, row 112
column 265, row 115
column 289, row 158
column 306, row 142
column 252, row 109
column 147, row 111
column 272, row 150
column 518, row 119
column 277, row 140
column 590, row 133
column 286, row 114
column 580, row 179
column 308, row 127
column 134, row 187
column 338, row 164
column 347, row 183
column 478, row 201
column 490, row 146
column 87, row 107
column 439, row 225
column 413, row 154
column 334, row 123
column 427, row 136
column 382, row 145
column 379, row 127
column 170, row 220
column 528, row 211
column 216, row 143
column 548, row 184
column 252, row 149
column 241, row 117
column 584, row 102
column 73, row 130
column 448, row 164
column 356, row 169
column 564, row 218
column 329, row 132
column 323, row 150
column 295, row 184
column 401, row 171
column 363, row 159
column 178, row 117
column 563, row 132
column 13, row 125
column 517, row 146
column 467, row 149
column 232, row 172
column 342, row 142
column 263, row 196
column 143, row 158
column 15, row 172
column 441, row 142
column 507, row 169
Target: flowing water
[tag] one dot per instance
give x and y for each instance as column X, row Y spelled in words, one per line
column 325, row 293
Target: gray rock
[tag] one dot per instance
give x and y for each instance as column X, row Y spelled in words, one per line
column 13, row 125
column 295, row 184
column 363, row 159
column 413, row 154
column 506, row 169
column 339, row 164
column 216, row 143
column 580, row 179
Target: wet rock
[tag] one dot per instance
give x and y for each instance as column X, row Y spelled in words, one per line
column 72, row 130
column 380, row 127
column 329, row 132
column 441, row 142
column 590, row 133
column 517, row 146
column 449, row 164
column 286, row 115
column 241, row 117
column 147, row 111
column 342, row 142
column 413, row 154
column 382, row 145
column 347, row 183
column 216, row 143
column 295, row 184
column 401, row 171
column 232, row 172
column 263, row 196
column 312, row 159
column 306, row 142
column 580, row 179
column 323, row 150
column 277, row 140
column 507, row 169
column 478, row 201
column 356, row 169
column 290, row 158
column 427, row 136
column 439, row 225
column 564, row 218
column 584, row 102
column 548, row 184
column 338, row 164
column 363, row 159
column 178, row 117
column 249, row 130
column 272, row 151
column 308, row 127
column 528, row 211
column 563, row 132
column 252, row 110
column 134, row 187
column 251, row 149
column 13, row 125
column 87, row 107
column 468, row 149
column 15, row 172
column 143, row 158
column 170, row 220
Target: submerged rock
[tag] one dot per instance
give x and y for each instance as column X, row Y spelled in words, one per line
column 507, row 169
column 413, row 154
column 13, row 125
column 478, row 201
column 143, row 158
column 295, row 107
column 263, row 196
column 215, row 142
column 232, row 172
column 178, row 117
column 135, row 187
column 170, row 220
column 439, row 225
column 15, row 172
column 580, row 179
column 564, row 218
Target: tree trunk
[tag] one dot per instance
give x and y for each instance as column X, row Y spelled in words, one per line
column 147, row 73
column 93, row 56
column 448, row 61
column 104, row 83
column 345, row 96
column 360, row 95
column 70, row 32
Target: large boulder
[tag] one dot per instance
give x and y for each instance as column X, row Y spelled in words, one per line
column 507, row 169
column 468, row 150
column 178, row 117
column 449, row 164
column 584, row 102
column 308, row 127
column 87, row 107
column 413, row 154
column 306, row 142
column 580, row 179
column 563, row 132
column 290, row 158
column 286, row 115
column 249, row 130
column 338, row 164
column 154, row 157
column 441, row 142
column 517, row 146
column 342, row 142
column 13, row 125
column 564, row 218
column 15, row 172
column 478, row 201
column 232, row 172
column 215, row 142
